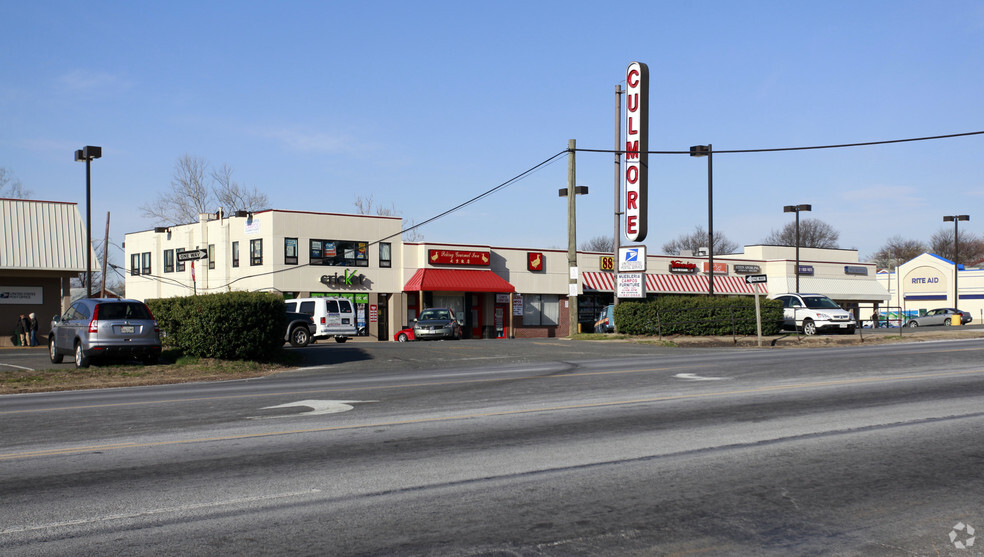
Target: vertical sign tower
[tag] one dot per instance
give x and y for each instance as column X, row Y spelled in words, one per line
column 636, row 152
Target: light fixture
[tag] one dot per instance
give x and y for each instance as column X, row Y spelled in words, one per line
column 86, row 154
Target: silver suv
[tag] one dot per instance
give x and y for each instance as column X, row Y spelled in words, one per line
column 103, row 328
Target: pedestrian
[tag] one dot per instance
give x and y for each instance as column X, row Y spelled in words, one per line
column 23, row 329
column 874, row 320
column 34, row 329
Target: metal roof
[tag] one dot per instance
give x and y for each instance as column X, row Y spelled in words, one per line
column 42, row 236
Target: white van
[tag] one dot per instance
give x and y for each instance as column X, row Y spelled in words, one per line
column 334, row 317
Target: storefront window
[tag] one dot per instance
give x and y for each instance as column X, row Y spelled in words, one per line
column 384, row 255
column 290, row 251
column 339, row 253
column 169, row 261
column 541, row 309
column 256, row 252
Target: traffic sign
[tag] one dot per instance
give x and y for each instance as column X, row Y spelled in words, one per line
column 752, row 279
column 192, row 255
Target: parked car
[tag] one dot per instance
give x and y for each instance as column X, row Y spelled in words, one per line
column 437, row 323
column 300, row 329
column 96, row 328
column 606, row 321
column 333, row 317
column 813, row 313
column 939, row 316
column 404, row 335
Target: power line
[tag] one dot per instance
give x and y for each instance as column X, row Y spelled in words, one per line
column 814, row 147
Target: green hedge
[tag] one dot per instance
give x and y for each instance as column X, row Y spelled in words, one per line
column 229, row 326
column 697, row 316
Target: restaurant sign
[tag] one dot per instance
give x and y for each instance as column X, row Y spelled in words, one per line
column 459, row 257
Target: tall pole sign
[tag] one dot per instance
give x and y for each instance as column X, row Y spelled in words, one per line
column 636, row 151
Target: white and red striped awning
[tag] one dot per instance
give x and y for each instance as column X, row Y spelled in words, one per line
column 675, row 284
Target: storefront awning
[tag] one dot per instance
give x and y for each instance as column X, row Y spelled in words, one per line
column 457, row 280
column 676, row 284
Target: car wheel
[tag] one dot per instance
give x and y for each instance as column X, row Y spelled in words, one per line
column 912, row 324
column 81, row 360
column 300, row 337
column 946, row 322
column 340, row 339
column 809, row 327
column 402, row 337
column 53, row 354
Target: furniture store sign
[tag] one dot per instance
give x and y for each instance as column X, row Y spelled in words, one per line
column 21, row 295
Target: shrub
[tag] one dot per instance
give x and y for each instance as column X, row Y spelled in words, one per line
column 228, row 326
column 697, row 316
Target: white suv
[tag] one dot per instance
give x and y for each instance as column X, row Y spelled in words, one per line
column 334, row 317
column 813, row 313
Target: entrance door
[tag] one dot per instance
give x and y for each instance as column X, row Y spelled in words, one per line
column 382, row 323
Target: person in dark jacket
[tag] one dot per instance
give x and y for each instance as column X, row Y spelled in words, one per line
column 23, row 329
column 34, row 328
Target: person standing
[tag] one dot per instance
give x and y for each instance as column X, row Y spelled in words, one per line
column 34, row 328
column 23, row 329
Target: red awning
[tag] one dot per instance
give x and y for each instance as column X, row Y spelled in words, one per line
column 675, row 284
column 457, row 280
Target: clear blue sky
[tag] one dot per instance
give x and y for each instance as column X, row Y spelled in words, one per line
column 424, row 105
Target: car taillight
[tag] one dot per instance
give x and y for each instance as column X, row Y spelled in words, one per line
column 157, row 327
column 322, row 320
column 94, row 322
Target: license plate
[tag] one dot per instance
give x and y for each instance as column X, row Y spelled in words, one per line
column 843, row 325
column 127, row 329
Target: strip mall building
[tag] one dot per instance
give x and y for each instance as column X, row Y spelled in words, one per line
column 499, row 292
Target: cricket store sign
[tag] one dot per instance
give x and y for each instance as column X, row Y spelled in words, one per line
column 636, row 152
column 348, row 278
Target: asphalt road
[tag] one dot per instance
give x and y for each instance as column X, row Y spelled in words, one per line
column 545, row 447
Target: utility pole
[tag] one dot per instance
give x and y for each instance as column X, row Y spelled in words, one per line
column 102, row 286
column 571, row 237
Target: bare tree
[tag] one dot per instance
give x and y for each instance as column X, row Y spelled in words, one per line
column 114, row 280
column 189, row 196
column 603, row 244
column 11, row 187
column 366, row 205
column 234, row 197
column 699, row 239
column 813, row 233
column 897, row 251
column 971, row 246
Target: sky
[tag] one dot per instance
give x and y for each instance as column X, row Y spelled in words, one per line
column 425, row 105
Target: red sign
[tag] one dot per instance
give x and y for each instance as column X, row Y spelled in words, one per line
column 457, row 257
column 636, row 151
column 373, row 313
column 719, row 268
column 677, row 266
column 534, row 261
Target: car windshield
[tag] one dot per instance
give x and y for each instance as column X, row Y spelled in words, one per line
column 819, row 302
column 436, row 314
column 123, row 310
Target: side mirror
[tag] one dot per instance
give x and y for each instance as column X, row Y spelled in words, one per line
column 56, row 319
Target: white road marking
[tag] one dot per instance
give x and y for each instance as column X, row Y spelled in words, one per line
column 18, row 367
column 695, row 377
column 320, row 406
column 152, row 512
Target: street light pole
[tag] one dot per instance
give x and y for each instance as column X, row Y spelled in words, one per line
column 570, row 192
column 956, row 254
column 86, row 154
column 707, row 151
column 796, row 209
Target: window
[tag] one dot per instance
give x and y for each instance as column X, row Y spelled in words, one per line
column 181, row 264
column 235, row 254
column 290, row 251
column 135, row 264
column 541, row 309
column 256, row 252
column 339, row 253
column 384, row 254
column 211, row 256
column 169, row 261
column 145, row 263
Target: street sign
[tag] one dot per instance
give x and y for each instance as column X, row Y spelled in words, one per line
column 752, row 279
column 192, row 255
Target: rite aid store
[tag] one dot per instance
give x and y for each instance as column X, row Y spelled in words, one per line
column 927, row 282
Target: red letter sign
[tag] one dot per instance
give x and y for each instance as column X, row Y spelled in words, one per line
column 636, row 156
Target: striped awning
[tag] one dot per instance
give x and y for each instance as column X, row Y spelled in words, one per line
column 675, row 284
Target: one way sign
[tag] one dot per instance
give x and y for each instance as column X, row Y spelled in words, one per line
column 192, row 255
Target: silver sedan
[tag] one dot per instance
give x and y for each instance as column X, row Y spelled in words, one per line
column 941, row 316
